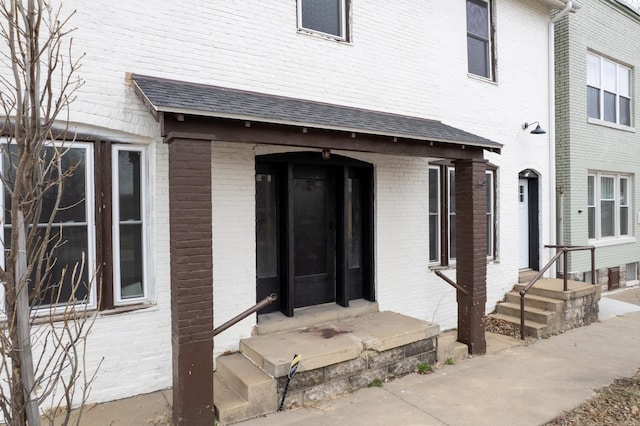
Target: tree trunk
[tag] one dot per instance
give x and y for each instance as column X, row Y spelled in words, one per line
column 23, row 316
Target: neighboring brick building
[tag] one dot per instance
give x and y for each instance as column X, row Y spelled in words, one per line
column 598, row 148
column 250, row 118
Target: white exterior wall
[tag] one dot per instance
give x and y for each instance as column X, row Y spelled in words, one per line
column 406, row 58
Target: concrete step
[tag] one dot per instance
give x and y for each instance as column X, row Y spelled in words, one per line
column 526, row 275
column 331, row 343
column 554, row 288
column 531, row 328
column 540, row 302
column 530, row 313
column 449, row 347
column 239, row 381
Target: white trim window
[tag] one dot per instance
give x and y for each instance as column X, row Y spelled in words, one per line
column 479, row 43
column 608, row 90
column 442, row 215
column 608, row 205
column 72, row 233
column 326, row 17
column 114, row 235
column 129, row 237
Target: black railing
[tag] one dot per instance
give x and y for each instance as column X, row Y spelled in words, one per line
column 562, row 251
column 261, row 304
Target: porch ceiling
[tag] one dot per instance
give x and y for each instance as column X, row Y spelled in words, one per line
column 185, row 98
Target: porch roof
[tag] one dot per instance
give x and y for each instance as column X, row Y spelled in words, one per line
column 180, row 97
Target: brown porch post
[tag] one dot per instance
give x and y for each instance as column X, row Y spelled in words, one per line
column 471, row 251
column 191, row 281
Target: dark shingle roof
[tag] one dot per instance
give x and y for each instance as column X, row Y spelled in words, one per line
column 189, row 98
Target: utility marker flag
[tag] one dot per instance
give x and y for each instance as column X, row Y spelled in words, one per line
column 292, row 370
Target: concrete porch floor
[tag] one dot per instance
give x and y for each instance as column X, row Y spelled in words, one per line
column 333, row 342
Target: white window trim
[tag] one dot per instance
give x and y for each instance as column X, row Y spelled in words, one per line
column 117, row 290
column 491, row 233
column 490, row 52
column 600, row 241
column 343, row 23
column 601, row 120
column 438, row 216
column 90, row 256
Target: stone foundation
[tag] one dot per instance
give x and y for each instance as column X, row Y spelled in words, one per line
column 581, row 311
column 360, row 372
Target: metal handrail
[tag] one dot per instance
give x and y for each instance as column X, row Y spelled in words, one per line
column 451, row 282
column 261, row 304
column 563, row 250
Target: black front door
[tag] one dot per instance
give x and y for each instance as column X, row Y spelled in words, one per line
column 314, row 230
column 313, row 236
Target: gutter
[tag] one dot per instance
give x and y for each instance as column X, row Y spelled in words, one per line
column 555, row 224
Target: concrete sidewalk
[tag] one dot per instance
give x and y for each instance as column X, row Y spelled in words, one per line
column 524, row 385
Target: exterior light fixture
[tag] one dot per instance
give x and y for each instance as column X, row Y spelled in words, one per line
column 537, row 131
column 326, row 154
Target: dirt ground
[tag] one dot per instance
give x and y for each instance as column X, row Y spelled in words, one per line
column 616, row 404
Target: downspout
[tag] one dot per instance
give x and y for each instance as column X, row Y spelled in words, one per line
column 555, row 234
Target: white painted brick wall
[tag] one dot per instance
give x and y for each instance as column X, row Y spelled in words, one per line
column 406, row 58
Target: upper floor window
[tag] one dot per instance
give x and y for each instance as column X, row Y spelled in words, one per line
column 608, row 205
column 328, row 17
column 442, row 214
column 608, row 90
column 479, row 45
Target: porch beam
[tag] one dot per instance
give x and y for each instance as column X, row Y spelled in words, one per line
column 471, row 251
column 190, row 213
column 276, row 134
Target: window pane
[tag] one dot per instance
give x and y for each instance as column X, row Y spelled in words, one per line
column 624, row 82
column 591, row 193
column 607, row 188
column 478, row 18
column 609, row 74
column 452, row 214
column 624, row 206
column 131, row 261
column 489, row 186
column 609, row 107
column 478, row 56
column 266, row 225
column 310, row 222
column 624, row 192
column 624, row 221
column 625, row 111
column 322, row 15
column 607, row 226
column 434, row 238
column 68, row 240
column 593, row 70
column 129, row 178
column 434, row 186
column 593, row 102
column 592, row 222
column 68, row 243
column 354, row 232
column 434, row 215
column 452, row 237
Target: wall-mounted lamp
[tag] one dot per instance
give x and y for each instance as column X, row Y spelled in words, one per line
column 326, row 154
column 537, row 131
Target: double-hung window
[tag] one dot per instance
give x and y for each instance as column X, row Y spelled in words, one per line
column 608, row 90
column 608, row 205
column 327, row 17
column 87, row 229
column 479, row 43
column 442, row 214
